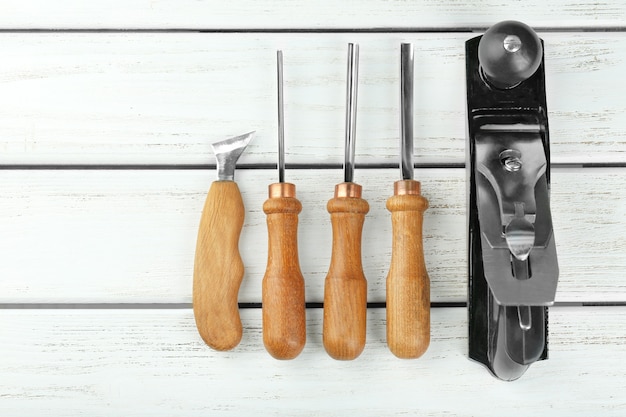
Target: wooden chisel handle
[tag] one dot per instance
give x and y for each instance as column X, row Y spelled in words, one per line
column 218, row 268
column 408, row 285
column 345, row 287
column 284, row 309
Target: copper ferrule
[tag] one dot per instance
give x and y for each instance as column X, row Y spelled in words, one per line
column 348, row 189
column 282, row 189
column 404, row 187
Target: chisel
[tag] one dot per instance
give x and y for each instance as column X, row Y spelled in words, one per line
column 284, row 313
column 345, row 287
column 218, row 268
column 408, row 285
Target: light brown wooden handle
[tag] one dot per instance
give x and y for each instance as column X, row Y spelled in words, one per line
column 408, row 285
column 284, row 309
column 218, row 268
column 345, row 287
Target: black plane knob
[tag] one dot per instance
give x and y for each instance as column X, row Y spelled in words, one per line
column 509, row 53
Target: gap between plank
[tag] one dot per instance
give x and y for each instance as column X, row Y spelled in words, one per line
column 165, row 167
column 459, row 29
column 312, row 305
column 184, row 167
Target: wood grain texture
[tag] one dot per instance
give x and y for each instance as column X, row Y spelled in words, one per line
column 218, row 268
column 152, row 362
column 284, row 314
column 345, row 286
column 158, row 97
column 161, row 98
column 60, row 222
column 300, row 14
column 408, row 285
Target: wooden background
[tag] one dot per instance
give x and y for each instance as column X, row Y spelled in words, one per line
column 107, row 110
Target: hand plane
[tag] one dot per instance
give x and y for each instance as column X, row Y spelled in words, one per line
column 513, row 270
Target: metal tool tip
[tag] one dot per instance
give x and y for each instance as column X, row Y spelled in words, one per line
column 236, row 142
column 351, row 109
column 406, row 111
column 227, row 152
column 281, row 118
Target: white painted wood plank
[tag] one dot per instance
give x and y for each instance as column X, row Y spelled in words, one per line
column 129, row 236
column 152, row 362
column 161, row 98
column 250, row 14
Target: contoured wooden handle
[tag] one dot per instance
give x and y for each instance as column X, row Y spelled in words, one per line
column 284, row 309
column 345, row 287
column 218, row 268
column 408, row 285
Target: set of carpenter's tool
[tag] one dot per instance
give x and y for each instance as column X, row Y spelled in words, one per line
column 219, row 269
column 512, row 267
